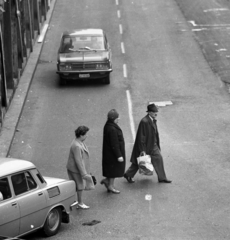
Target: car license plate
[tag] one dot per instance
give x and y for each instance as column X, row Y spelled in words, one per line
column 84, row 75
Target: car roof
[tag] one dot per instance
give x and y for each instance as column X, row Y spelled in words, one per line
column 88, row 31
column 13, row 165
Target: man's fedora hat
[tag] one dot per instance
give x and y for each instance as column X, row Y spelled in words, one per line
column 152, row 108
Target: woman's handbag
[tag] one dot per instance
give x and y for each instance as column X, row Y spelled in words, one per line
column 89, row 185
column 145, row 165
column 94, row 179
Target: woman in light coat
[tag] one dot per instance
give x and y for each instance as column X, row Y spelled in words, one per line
column 78, row 166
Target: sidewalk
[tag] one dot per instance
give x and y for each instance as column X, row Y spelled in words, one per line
column 13, row 114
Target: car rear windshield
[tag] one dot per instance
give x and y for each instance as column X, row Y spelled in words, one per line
column 70, row 44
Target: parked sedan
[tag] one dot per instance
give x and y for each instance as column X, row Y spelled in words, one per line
column 30, row 201
column 84, row 54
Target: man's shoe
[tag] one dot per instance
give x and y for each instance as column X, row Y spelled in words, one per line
column 129, row 179
column 165, row 181
column 113, row 190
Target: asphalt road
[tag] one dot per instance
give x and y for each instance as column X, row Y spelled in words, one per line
column 160, row 61
column 209, row 20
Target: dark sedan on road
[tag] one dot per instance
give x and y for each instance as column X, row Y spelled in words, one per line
column 84, row 54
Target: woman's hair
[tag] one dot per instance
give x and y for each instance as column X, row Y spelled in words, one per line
column 112, row 115
column 81, row 131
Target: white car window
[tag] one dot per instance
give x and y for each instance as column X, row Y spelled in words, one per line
column 23, row 182
column 31, row 183
column 5, row 188
column 19, row 183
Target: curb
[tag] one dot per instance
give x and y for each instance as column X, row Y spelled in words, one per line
column 14, row 112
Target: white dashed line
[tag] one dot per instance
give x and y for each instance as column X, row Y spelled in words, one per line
column 122, row 47
column 117, row 3
column 118, row 14
column 120, row 29
column 124, row 71
column 131, row 114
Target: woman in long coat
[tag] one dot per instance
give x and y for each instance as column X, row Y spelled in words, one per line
column 113, row 152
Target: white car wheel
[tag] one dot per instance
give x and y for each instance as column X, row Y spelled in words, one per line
column 53, row 222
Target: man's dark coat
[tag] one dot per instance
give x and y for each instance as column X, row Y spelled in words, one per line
column 147, row 136
column 113, row 148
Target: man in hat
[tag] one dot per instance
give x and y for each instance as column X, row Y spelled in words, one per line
column 147, row 141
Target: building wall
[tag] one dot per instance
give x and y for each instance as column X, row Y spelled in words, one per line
column 20, row 25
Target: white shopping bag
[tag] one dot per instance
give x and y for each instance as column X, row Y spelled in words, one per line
column 145, row 165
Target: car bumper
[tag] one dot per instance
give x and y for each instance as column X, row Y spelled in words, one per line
column 84, row 74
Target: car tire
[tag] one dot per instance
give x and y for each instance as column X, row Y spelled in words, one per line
column 53, row 222
column 106, row 80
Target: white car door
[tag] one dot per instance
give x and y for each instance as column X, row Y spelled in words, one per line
column 32, row 203
column 9, row 211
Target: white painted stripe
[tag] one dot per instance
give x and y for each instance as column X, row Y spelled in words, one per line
column 131, row 114
column 42, row 35
column 124, row 70
column 216, row 10
column 161, row 104
column 117, row 3
column 208, row 25
column 118, row 14
column 122, row 47
column 120, row 28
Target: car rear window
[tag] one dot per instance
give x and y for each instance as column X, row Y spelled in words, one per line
column 19, row 183
column 23, row 182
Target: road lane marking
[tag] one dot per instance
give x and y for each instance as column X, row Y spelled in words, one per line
column 125, row 70
column 122, row 48
column 216, row 9
column 148, row 197
column 120, row 29
column 208, row 25
column 118, row 14
column 161, row 104
column 117, row 3
column 129, row 100
column 198, row 30
column 42, row 35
